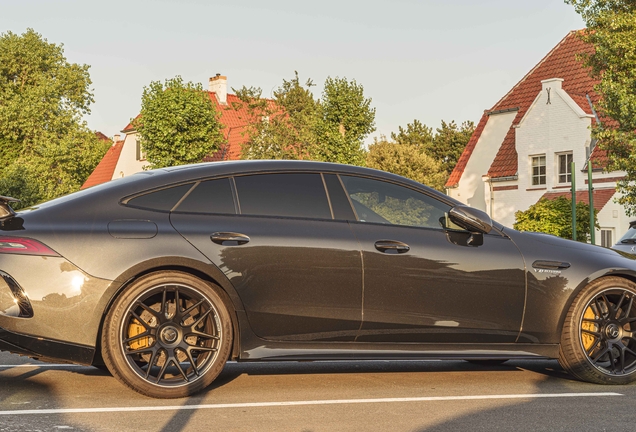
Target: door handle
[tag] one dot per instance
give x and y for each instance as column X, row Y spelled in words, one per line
column 229, row 238
column 391, row 246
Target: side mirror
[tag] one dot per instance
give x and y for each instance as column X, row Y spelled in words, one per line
column 470, row 219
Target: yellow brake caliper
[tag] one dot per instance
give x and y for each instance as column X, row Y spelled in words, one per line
column 588, row 339
column 134, row 329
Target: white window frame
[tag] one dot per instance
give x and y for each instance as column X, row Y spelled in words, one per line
column 538, row 176
column 568, row 168
column 607, row 237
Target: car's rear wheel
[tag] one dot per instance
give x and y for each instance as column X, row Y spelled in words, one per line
column 167, row 335
column 598, row 343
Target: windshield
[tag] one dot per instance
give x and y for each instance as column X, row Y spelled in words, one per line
column 630, row 236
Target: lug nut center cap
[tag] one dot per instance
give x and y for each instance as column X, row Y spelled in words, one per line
column 612, row 331
column 169, row 334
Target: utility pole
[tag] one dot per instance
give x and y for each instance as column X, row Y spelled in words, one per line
column 590, row 191
column 573, row 172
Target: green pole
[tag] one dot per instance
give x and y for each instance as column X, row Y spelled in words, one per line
column 590, row 191
column 572, row 170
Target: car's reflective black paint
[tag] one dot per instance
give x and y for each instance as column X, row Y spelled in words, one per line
column 298, row 288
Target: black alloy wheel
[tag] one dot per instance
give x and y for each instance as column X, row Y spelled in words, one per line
column 599, row 341
column 168, row 335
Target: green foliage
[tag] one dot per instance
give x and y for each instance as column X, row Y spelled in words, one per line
column 408, row 160
column 178, row 123
column 296, row 126
column 449, row 143
column 283, row 128
column 53, row 169
column 45, row 148
column 416, row 134
column 555, row 217
column 345, row 120
column 445, row 145
column 611, row 28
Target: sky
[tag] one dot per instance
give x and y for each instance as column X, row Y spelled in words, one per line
column 427, row 60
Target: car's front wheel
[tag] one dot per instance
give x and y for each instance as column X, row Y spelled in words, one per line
column 167, row 335
column 598, row 343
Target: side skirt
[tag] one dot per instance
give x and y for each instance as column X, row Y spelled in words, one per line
column 254, row 348
column 45, row 349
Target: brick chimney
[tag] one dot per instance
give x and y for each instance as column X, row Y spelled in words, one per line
column 218, row 85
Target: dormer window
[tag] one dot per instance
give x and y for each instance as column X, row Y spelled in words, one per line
column 538, row 170
column 564, row 161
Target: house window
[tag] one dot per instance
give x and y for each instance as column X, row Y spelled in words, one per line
column 538, row 170
column 565, row 167
column 141, row 154
column 606, row 238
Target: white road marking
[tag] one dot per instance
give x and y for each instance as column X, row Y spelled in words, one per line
column 299, row 403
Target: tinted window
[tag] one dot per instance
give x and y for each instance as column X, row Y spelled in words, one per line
column 339, row 201
column 212, row 196
column 383, row 202
column 294, row 195
column 163, row 200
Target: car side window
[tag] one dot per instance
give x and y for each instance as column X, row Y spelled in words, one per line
column 285, row 194
column 161, row 200
column 211, row 196
column 387, row 203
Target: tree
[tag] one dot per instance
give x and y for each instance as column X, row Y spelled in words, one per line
column 283, row 128
column 46, row 150
column 449, row 143
column 416, row 134
column 408, row 160
column 555, row 217
column 611, row 29
column 178, row 123
column 294, row 125
column 345, row 120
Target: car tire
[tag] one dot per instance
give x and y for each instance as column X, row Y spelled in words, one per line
column 167, row 335
column 598, row 341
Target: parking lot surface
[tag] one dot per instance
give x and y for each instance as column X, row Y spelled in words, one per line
column 319, row 396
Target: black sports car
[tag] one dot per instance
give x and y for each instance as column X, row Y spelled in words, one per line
column 165, row 275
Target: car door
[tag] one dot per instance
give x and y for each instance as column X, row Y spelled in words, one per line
column 424, row 282
column 297, row 270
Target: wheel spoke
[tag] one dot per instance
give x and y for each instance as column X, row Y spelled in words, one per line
column 612, row 360
column 593, row 333
column 153, row 359
column 148, row 309
column 139, row 336
column 140, row 350
column 181, row 371
column 629, row 307
column 177, row 302
column 600, row 354
column 201, row 334
column 622, row 360
column 201, row 318
column 206, row 349
column 595, row 321
column 163, row 368
column 599, row 309
column 188, row 352
column 164, row 303
column 610, row 308
column 593, row 347
column 141, row 321
column 618, row 305
column 191, row 308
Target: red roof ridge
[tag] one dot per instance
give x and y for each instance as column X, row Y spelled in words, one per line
column 570, row 33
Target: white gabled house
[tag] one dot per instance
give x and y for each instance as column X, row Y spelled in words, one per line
column 521, row 149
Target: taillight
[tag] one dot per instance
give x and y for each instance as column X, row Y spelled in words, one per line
column 24, row 246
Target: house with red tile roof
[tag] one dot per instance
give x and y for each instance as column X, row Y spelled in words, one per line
column 126, row 156
column 522, row 147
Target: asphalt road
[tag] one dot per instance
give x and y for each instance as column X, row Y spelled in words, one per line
column 321, row 396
